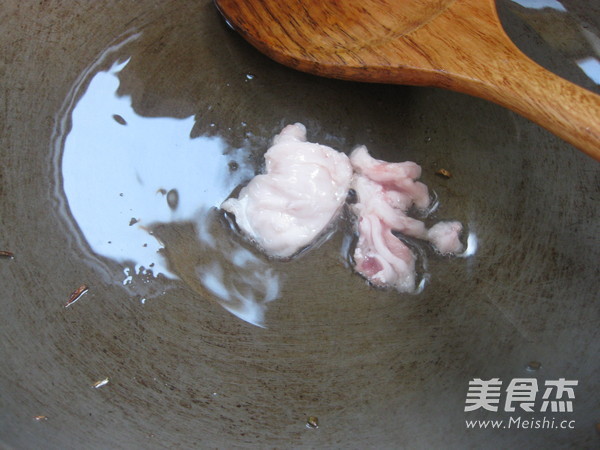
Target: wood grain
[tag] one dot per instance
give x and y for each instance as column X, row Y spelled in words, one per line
column 453, row 44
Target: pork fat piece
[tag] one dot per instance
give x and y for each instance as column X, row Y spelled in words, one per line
column 385, row 192
column 302, row 191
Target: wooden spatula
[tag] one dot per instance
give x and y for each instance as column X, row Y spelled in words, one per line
column 454, row 44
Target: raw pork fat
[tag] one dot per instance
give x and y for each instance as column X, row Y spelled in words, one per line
column 302, row 191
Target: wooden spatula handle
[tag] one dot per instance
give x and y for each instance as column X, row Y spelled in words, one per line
column 567, row 110
column 453, row 44
column 475, row 56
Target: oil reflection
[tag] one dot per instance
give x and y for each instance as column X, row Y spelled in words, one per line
column 541, row 4
column 219, row 264
column 591, row 67
column 123, row 175
column 565, row 32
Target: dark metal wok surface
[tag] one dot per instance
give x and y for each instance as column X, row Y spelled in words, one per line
column 108, row 102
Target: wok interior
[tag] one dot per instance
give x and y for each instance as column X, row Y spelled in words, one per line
column 375, row 367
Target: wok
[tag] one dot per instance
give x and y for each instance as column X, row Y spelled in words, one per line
column 123, row 126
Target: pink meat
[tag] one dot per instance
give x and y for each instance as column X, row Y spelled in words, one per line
column 304, row 188
column 445, row 237
column 385, row 192
column 399, row 177
column 381, row 257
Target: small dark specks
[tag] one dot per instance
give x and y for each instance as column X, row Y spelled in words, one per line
column 173, row 199
column 76, row 295
column 233, row 166
column 444, row 173
column 312, row 422
column 133, row 221
column 119, row 119
column 533, row 366
column 185, row 404
column 121, row 194
column 162, row 191
column 4, row 254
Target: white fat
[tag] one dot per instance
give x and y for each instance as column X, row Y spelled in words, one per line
column 302, row 191
column 445, row 237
